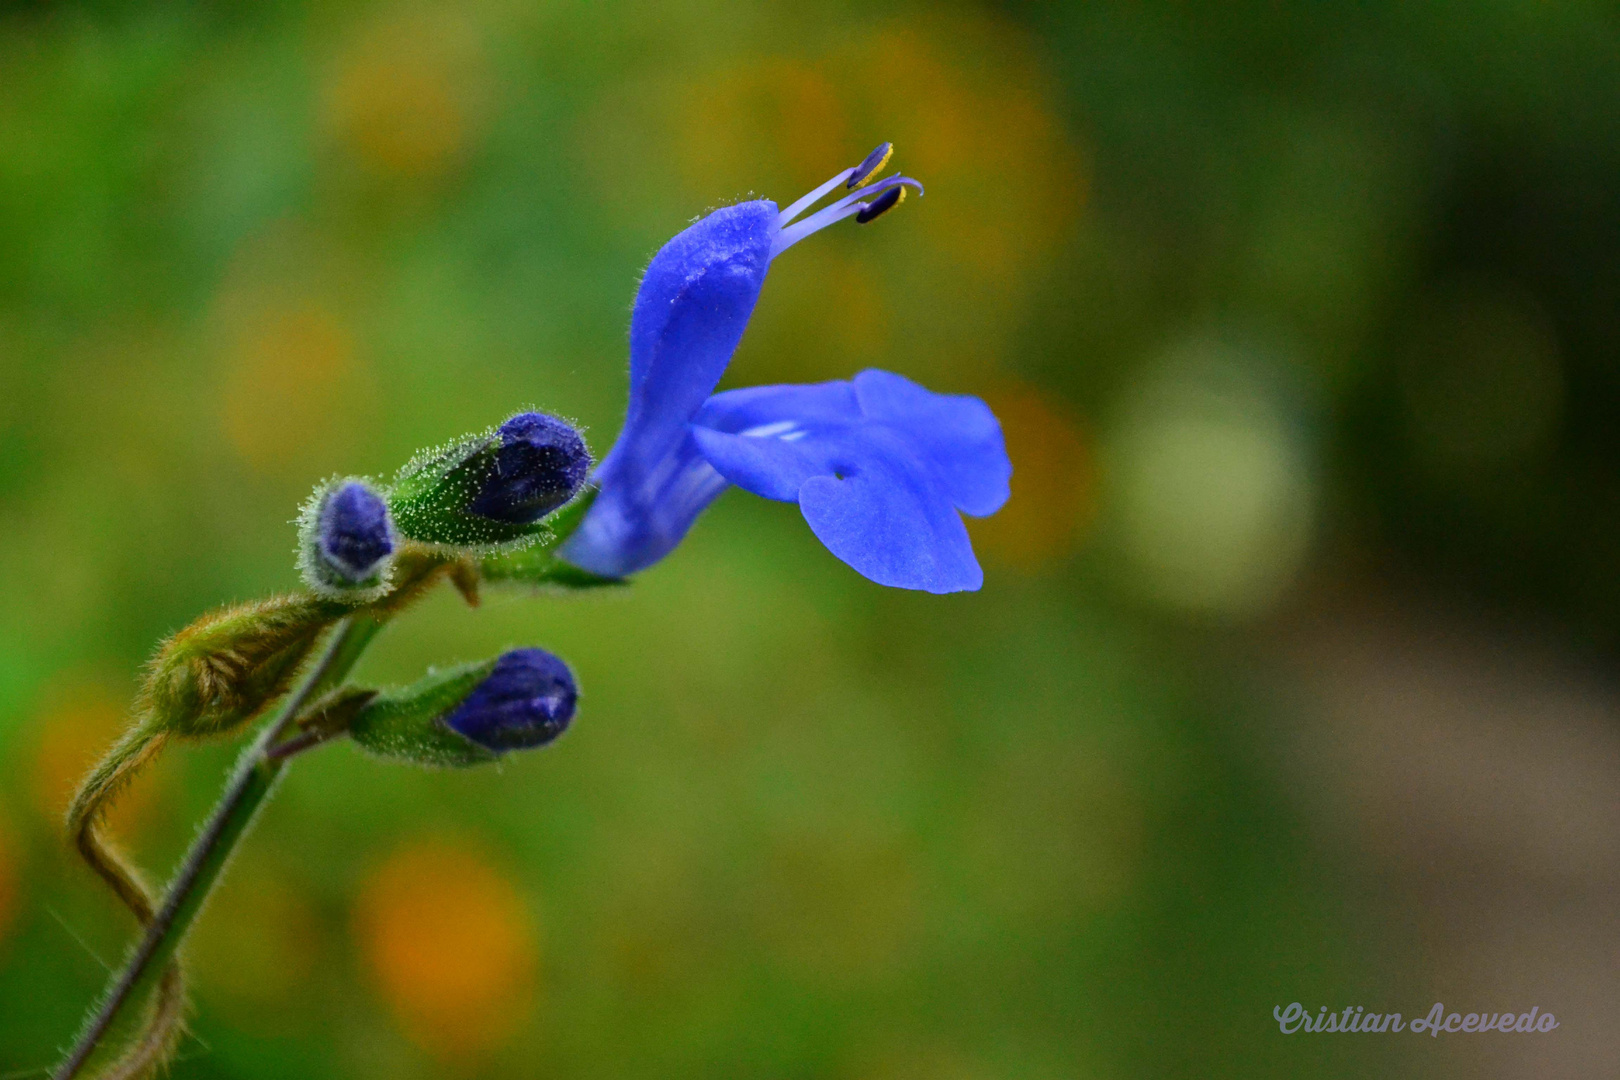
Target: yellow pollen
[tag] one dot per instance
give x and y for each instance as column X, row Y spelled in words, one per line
column 871, row 174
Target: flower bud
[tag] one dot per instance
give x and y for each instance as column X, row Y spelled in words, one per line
column 526, row 701
column 217, row 673
column 471, row 713
column 346, row 541
column 540, row 464
column 491, row 491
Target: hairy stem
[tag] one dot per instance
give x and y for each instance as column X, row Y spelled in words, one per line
column 132, row 752
column 255, row 776
column 138, row 747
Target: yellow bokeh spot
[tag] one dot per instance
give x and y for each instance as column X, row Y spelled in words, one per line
column 826, row 316
column 452, row 947
column 293, row 385
column 1053, row 482
column 75, row 729
column 404, row 101
column 767, row 122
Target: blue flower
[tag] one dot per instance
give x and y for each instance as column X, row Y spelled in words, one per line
column 690, row 312
column 879, row 466
column 525, row 701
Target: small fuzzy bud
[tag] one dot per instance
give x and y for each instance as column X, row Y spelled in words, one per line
column 346, row 541
column 472, row 713
column 491, row 491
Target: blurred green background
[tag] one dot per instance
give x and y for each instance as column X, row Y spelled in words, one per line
column 1291, row 679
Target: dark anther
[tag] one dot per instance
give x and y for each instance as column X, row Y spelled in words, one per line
column 880, row 205
column 874, row 161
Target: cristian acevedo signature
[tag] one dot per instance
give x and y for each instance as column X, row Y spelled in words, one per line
column 1295, row 1018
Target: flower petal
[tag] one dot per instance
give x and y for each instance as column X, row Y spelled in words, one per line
column 809, row 404
column 958, row 435
column 621, row 535
column 764, row 439
column 888, row 521
column 866, row 496
column 690, row 314
column 770, row 468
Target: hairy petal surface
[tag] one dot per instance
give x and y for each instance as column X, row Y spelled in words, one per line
column 690, row 314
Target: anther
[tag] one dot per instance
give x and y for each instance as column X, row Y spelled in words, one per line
column 868, row 203
column 874, row 163
column 881, row 205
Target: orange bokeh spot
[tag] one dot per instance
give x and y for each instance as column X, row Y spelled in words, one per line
column 452, row 946
column 10, row 877
column 979, row 131
column 1053, row 482
column 768, row 119
column 73, row 734
column 404, row 102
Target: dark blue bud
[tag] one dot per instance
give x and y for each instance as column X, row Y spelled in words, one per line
column 354, row 533
column 491, row 491
column 346, row 541
column 525, row 701
column 539, row 465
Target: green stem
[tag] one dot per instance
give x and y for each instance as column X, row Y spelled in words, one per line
column 255, row 776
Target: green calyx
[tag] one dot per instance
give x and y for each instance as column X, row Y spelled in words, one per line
column 431, row 495
column 537, row 565
column 407, row 724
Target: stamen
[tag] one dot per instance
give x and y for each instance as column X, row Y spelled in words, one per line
column 811, row 199
column 881, row 205
column 875, row 161
column 834, row 212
